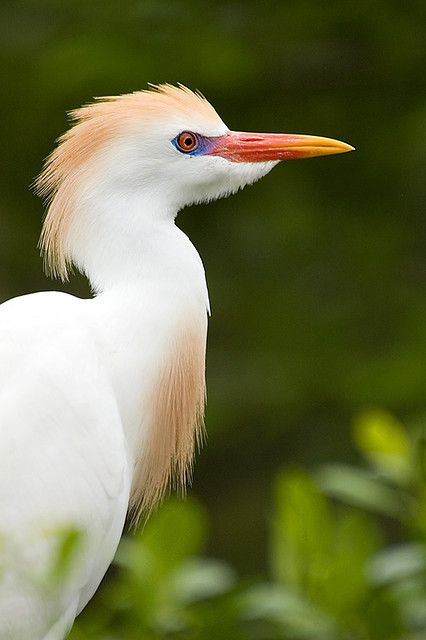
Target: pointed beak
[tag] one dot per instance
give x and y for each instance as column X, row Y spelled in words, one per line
column 237, row 146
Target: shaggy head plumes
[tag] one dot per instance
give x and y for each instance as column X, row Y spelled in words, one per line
column 97, row 127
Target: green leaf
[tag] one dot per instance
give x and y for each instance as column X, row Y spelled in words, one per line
column 397, row 563
column 69, row 541
column 345, row 585
column 201, row 579
column 384, row 441
column 360, row 488
column 287, row 611
column 421, row 452
column 302, row 532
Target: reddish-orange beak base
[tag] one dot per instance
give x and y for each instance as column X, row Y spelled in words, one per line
column 262, row 147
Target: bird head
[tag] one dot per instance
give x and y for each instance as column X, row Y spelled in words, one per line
column 166, row 146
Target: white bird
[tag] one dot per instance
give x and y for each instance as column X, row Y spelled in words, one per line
column 101, row 400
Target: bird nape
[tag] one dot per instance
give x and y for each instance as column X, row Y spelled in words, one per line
column 102, row 399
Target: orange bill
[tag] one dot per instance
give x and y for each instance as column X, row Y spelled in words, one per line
column 262, row 147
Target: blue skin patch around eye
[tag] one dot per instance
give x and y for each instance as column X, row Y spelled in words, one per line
column 203, row 147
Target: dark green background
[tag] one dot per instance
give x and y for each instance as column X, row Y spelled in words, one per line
column 317, row 275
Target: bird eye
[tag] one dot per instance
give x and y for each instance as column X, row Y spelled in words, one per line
column 187, row 141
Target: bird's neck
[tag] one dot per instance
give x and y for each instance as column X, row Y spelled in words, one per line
column 124, row 239
column 150, row 315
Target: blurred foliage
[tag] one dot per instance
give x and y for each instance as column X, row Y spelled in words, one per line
column 336, row 573
column 317, row 284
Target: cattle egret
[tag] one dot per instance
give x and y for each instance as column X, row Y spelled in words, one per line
column 102, row 399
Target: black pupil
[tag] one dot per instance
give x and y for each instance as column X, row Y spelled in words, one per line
column 188, row 141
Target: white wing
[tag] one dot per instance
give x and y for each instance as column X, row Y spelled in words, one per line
column 63, row 464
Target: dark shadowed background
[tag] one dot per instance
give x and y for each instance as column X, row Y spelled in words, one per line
column 317, row 275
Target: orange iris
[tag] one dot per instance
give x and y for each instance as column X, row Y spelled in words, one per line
column 187, row 141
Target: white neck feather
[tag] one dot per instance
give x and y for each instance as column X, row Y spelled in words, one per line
column 120, row 239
